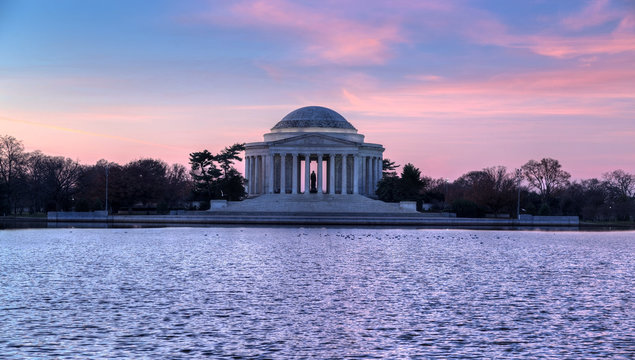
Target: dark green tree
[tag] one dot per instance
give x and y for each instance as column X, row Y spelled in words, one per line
column 213, row 175
column 409, row 186
column 92, row 186
column 145, row 182
column 226, row 157
column 467, row 208
column 412, row 184
column 205, row 174
column 388, row 168
column 388, row 189
column 233, row 185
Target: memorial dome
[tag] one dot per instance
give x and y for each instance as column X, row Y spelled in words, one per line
column 313, row 117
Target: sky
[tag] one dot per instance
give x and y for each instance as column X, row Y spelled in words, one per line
column 450, row 86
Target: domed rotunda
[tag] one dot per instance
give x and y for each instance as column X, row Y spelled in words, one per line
column 313, row 149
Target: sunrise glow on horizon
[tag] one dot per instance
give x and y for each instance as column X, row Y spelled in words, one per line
column 450, row 86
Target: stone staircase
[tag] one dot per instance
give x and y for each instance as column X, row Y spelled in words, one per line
column 313, row 203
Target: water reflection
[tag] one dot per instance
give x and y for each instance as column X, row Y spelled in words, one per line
column 315, row 292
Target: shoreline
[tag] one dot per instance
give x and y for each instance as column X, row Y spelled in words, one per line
column 203, row 218
column 220, row 218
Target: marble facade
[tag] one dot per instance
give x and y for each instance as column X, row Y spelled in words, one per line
column 321, row 138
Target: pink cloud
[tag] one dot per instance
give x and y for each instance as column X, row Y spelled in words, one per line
column 169, row 132
column 627, row 25
column 595, row 13
column 561, row 47
column 558, row 46
column 488, row 29
column 426, row 77
column 328, row 37
column 351, row 98
column 595, row 90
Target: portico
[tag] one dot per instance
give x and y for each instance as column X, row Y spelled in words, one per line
column 313, row 140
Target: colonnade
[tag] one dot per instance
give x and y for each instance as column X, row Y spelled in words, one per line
column 336, row 173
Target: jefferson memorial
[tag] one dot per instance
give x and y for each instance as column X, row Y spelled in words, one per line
column 313, row 150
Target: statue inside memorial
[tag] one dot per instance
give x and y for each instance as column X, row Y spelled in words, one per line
column 313, row 188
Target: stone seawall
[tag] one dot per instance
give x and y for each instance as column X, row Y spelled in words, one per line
column 354, row 219
column 77, row 216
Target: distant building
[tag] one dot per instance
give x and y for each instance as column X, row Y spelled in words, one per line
column 319, row 137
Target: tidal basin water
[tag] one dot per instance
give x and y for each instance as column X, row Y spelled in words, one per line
column 244, row 293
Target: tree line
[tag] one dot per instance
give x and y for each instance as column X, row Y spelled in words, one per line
column 32, row 182
column 537, row 188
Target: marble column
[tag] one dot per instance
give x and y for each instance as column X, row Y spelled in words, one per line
column 380, row 169
column 294, row 175
column 319, row 174
column 331, row 174
column 247, row 173
column 270, row 172
column 355, row 174
column 344, row 163
column 261, row 174
column 283, row 173
column 362, row 172
column 253, row 174
column 371, row 188
column 377, row 172
column 262, row 180
column 307, row 173
column 257, row 174
column 375, row 178
column 369, row 171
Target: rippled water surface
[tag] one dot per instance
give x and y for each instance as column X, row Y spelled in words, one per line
column 315, row 293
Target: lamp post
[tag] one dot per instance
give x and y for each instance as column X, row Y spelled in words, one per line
column 518, row 178
column 445, row 195
column 106, row 188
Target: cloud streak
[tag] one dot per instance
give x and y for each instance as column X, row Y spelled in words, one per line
column 596, row 13
column 89, row 133
column 578, row 91
column 325, row 37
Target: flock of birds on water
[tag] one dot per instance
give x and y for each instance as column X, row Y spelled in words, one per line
column 382, row 236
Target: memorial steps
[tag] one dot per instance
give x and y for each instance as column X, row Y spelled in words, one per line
column 313, row 203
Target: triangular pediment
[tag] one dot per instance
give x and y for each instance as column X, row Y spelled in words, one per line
column 313, row 140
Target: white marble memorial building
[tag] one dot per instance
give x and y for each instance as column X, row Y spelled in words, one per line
column 308, row 140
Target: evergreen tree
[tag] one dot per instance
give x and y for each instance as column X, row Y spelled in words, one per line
column 214, row 176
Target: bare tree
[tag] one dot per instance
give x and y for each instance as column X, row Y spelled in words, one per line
column 12, row 160
column 546, row 176
column 621, row 183
column 51, row 181
column 36, row 181
column 64, row 176
column 179, row 186
column 501, row 185
column 491, row 189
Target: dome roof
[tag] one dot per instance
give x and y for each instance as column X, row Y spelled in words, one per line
column 313, row 117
